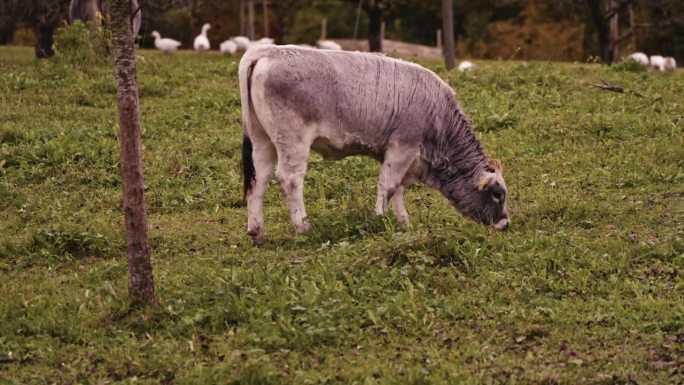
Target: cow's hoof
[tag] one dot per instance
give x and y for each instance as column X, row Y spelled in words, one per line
column 257, row 236
column 304, row 228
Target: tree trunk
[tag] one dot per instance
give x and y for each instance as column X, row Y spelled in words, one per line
column 140, row 283
column 602, row 29
column 7, row 32
column 265, row 10
column 8, row 21
column 250, row 19
column 614, row 32
column 631, row 26
column 44, row 40
column 375, row 28
column 324, row 29
column 448, row 26
column 242, row 18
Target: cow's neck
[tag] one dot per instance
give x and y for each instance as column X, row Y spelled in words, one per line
column 451, row 151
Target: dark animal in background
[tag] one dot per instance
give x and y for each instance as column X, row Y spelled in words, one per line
column 88, row 10
column 348, row 103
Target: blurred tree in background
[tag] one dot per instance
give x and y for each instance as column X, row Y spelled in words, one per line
column 572, row 30
column 42, row 17
column 8, row 20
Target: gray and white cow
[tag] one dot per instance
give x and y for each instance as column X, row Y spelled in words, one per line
column 88, row 10
column 339, row 104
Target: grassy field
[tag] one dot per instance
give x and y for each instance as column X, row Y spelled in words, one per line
column 586, row 287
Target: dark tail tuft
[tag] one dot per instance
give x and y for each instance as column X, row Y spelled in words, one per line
column 248, row 173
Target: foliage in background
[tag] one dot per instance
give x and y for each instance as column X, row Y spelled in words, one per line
column 526, row 29
column 306, row 23
column 82, row 45
column 530, row 35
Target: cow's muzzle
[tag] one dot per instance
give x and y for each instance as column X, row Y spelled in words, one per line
column 502, row 224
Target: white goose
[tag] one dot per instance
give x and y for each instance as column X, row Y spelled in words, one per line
column 242, row 42
column 640, row 58
column 658, row 62
column 167, row 45
column 669, row 64
column 228, row 47
column 201, row 42
column 265, row 41
column 328, row 44
column 466, row 66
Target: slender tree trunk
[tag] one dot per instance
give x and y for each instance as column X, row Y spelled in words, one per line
column 448, row 26
column 7, row 32
column 375, row 28
column 44, row 40
column 614, row 32
column 324, row 29
column 195, row 23
column 630, row 9
column 250, row 19
column 242, row 18
column 265, row 10
column 8, row 21
column 602, row 29
column 140, row 283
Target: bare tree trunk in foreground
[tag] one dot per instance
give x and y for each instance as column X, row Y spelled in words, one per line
column 140, row 283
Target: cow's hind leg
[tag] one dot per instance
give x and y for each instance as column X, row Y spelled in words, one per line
column 290, row 173
column 396, row 163
column 264, row 156
column 398, row 208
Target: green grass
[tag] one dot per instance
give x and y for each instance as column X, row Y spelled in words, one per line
column 585, row 288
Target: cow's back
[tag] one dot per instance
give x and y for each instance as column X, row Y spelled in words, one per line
column 355, row 97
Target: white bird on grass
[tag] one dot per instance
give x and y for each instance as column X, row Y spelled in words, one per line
column 201, row 41
column 165, row 44
column 242, row 42
column 669, row 64
column 228, row 47
column 328, row 44
column 264, row 41
column 640, row 58
column 658, row 62
column 466, row 66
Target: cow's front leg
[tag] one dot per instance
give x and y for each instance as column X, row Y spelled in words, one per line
column 264, row 157
column 397, row 161
column 398, row 208
column 290, row 173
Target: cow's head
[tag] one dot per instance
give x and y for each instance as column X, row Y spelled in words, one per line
column 483, row 198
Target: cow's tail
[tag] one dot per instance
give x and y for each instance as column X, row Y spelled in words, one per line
column 247, row 64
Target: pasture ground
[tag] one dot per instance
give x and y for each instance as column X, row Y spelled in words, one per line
column 585, row 288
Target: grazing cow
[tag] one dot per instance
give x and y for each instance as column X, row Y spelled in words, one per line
column 349, row 103
column 88, row 10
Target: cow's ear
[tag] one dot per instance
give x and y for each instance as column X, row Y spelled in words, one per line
column 495, row 164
